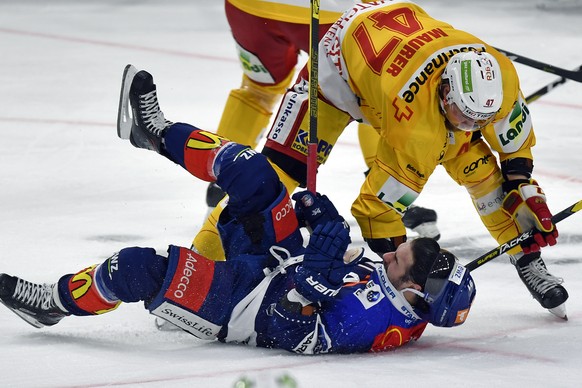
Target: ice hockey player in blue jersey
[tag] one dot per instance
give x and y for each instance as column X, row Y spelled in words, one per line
column 271, row 291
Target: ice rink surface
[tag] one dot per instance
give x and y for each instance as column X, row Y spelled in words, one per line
column 72, row 193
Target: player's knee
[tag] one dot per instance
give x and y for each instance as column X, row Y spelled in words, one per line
column 247, row 177
column 133, row 274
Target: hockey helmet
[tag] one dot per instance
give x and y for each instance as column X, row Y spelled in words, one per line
column 476, row 90
column 449, row 292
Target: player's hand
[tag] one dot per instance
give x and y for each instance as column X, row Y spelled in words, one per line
column 327, row 245
column 526, row 203
column 327, row 264
column 314, row 209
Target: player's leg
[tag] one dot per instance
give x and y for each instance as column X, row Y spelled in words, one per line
column 131, row 275
column 420, row 220
column 268, row 56
column 385, row 195
column 478, row 171
column 185, row 288
column 368, row 139
column 286, row 148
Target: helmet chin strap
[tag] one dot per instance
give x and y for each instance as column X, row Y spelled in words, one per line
column 414, row 291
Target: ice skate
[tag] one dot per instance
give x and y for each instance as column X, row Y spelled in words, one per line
column 139, row 117
column 163, row 325
column 421, row 221
column 214, row 195
column 543, row 286
column 37, row 304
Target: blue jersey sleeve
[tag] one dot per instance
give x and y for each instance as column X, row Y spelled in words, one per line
column 363, row 317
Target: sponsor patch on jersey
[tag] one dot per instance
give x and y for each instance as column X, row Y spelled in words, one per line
column 370, row 295
column 286, row 122
column 253, row 67
column 396, row 195
column 191, row 280
column 300, row 144
column 438, row 59
column 515, row 128
column 192, row 323
column 490, row 202
column 284, row 219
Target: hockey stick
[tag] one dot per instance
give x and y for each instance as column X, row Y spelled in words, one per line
column 542, row 91
column 492, row 254
column 313, row 86
column 575, row 75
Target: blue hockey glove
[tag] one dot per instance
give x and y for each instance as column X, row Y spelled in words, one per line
column 314, row 209
column 326, row 265
column 327, row 245
column 313, row 286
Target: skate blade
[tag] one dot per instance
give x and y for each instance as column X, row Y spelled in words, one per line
column 25, row 317
column 163, row 325
column 560, row 311
column 124, row 120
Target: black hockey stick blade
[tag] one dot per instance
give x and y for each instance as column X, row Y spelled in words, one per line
column 501, row 249
column 569, row 74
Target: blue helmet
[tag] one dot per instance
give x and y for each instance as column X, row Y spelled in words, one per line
column 449, row 292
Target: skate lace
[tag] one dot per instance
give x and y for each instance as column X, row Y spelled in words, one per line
column 538, row 277
column 152, row 116
column 35, row 295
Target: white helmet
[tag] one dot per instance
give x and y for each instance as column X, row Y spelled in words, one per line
column 476, row 90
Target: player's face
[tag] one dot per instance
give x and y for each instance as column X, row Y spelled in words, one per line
column 463, row 119
column 398, row 264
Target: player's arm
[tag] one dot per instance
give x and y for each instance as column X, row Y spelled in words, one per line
column 318, row 280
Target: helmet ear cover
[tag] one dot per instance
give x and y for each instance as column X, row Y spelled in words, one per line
column 448, row 292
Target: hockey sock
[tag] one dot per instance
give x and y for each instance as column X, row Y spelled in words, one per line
column 83, row 293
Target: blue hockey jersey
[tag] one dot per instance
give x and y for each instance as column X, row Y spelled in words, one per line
column 369, row 315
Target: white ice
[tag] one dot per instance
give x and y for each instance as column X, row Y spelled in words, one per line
column 72, row 193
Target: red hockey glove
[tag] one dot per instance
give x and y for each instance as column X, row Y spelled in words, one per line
column 526, row 204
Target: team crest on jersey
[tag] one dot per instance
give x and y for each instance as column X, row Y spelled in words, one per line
column 253, row 67
column 370, row 295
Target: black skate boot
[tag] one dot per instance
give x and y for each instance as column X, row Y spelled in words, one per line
column 147, row 124
column 543, row 286
column 37, row 304
column 422, row 221
column 214, row 195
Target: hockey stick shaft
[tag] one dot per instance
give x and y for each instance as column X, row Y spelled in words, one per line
column 569, row 74
column 313, row 87
column 501, row 249
column 543, row 91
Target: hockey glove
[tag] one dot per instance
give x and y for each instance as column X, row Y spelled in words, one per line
column 380, row 246
column 314, row 209
column 525, row 202
column 326, row 266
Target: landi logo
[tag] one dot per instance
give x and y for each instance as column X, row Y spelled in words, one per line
column 518, row 118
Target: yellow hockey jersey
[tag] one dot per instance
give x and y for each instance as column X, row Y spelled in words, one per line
column 391, row 54
column 293, row 11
